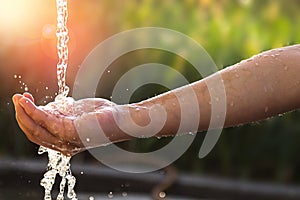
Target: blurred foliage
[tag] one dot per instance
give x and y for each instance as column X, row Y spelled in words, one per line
column 230, row 31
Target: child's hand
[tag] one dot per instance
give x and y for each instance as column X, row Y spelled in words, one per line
column 57, row 131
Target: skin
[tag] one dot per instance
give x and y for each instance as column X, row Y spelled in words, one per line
column 260, row 87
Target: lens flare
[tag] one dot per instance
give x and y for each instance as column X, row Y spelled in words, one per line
column 49, row 31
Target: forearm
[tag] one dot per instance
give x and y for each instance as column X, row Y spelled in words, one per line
column 266, row 85
column 260, row 87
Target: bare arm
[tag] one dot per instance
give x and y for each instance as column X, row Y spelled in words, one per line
column 260, row 87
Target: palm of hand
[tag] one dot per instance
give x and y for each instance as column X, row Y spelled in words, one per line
column 52, row 126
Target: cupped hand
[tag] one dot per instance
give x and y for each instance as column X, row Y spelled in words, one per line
column 49, row 127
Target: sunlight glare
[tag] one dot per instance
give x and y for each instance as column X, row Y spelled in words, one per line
column 24, row 17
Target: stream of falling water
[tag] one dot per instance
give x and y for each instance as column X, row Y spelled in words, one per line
column 59, row 163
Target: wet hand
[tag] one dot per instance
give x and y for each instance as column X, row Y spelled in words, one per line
column 47, row 126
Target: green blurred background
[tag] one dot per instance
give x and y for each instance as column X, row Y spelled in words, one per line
column 230, row 31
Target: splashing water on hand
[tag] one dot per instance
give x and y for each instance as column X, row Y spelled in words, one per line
column 59, row 163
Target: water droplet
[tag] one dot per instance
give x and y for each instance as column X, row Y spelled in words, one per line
column 256, row 64
column 91, row 198
column 19, row 76
column 46, row 88
column 108, row 71
column 26, row 89
column 15, row 76
column 127, row 89
column 124, row 194
column 266, row 109
column 162, row 194
column 42, row 150
column 137, row 109
column 81, row 173
column 110, row 195
column 273, row 56
column 280, row 50
column 88, row 139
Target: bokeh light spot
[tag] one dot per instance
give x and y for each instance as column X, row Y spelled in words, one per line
column 49, row 31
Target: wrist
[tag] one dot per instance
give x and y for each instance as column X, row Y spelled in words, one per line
column 132, row 120
column 159, row 115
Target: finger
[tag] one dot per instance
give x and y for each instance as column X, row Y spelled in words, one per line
column 44, row 138
column 16, row 103
column 41, row 136
column 24, row 120
column 16, row 98
column 40, row 117
column 59, row 127
column 34, row 132
column 29, row 96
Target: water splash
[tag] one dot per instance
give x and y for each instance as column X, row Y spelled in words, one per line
column 62, row 35
column 59, row 164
